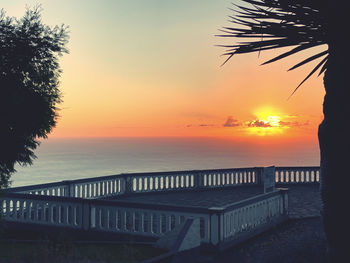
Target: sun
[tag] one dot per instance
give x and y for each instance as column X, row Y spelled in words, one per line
column 273, row 120
column 267, row 122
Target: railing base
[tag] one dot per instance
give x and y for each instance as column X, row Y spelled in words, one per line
column 27, row 231
column 242, row 237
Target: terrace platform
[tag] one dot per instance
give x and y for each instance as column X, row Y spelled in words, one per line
column 221, row 208
column 303, row 200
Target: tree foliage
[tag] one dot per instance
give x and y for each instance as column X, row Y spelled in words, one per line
column 29, row 80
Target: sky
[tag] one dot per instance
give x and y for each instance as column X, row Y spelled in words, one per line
column 152, row 68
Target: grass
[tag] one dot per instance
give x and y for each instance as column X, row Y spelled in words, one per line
column 20, row 243
column 57, row 252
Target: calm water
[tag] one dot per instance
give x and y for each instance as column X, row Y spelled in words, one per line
column 63, row 159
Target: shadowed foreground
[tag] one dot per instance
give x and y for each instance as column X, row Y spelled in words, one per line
column 297, row 241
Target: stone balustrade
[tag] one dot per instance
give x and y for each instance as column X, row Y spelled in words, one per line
column 43, row 210
column 88, row 188
column 218, row 225
column 297, row 175
column 239, row 221
column 133, row 183
column 105, row 186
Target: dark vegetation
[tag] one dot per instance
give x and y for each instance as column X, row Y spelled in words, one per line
column 29, row 80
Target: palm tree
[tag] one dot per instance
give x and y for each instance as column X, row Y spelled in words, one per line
column 301, row 25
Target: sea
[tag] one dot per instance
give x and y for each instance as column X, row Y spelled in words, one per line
column 66, row 159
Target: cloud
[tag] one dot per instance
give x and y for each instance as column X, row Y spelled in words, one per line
column 200, row 125
column 293, row 123
column 206, row 125
column 231, row 122
column 258, row 123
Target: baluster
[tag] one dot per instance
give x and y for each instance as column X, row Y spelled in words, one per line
column 21, row 209
column 278, row 176
column 158, row 224
column 167, row 222
column 110, row 188
column 35, row 210
column 133, row 220
column 83, row 194
column 303, row 176
column 123, row 220
column 113, row 187
column 113, row 218
column 117, row 186
column 141, row 222
column 148, row 219
column 75, row 215
column 88, row 190
column 145, row 183
column 99, row 188
column 156, row 183
column 78, row 190
column 66, row 215
column 198, row 182
column 58, row 213
column 161, row 179
column 138, row 184
column 105, row 188
column 96, row 189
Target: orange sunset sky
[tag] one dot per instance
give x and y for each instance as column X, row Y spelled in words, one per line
column 151, row 68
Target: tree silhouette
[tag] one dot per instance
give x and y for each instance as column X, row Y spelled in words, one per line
column 301, row 25
column 29, row 94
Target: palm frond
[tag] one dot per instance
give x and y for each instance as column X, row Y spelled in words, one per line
column 309, row 59
column 273, row 24
column 310, row 74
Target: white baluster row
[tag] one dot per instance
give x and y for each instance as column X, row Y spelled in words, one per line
column 61, row 190
column 216, row 179
column 203, row 179
column 162, row 182
column 297, row 175
column 141, row 221
column 98, row 216
column 115, row 186
column 41, row 212
column 251, row 216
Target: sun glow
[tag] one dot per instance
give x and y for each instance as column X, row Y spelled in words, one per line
column 267, row 122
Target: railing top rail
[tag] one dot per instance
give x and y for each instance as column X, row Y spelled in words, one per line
column 189, row 171
column 123, row 175
column 33, row 187
column 128, row 204
column 252, row 200
column 115, row 203
column 296, row 167
column 40, row 197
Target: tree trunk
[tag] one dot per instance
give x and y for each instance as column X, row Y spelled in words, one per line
column 334, row 141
